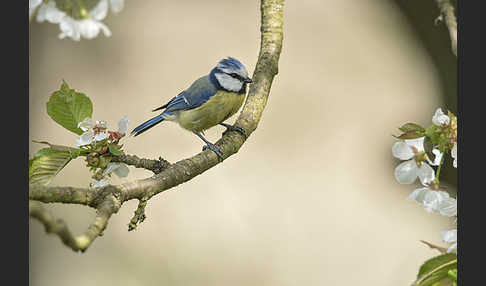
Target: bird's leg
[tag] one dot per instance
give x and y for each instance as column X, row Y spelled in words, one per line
column 210, row 145
column 233, row 128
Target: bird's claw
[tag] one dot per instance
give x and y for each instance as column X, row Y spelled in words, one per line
column 235, row 128
column 215, row 149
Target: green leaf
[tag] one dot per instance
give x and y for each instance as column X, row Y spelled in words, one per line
column 114, row 150
column 46, row 164
column 430, row 131
column 411, row 127
column 68, row 107
column 435, row 269
column 453, row 274
column 410, row 135
column 75, row 152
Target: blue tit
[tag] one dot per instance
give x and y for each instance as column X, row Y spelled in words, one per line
column 209, row 101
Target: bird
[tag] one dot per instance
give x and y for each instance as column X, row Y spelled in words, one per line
column 208, row 102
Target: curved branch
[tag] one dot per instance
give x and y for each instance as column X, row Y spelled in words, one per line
column 60, row 228
column 107, row 200
column 447, row 13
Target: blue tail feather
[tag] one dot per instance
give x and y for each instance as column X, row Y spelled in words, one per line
column 147, row 125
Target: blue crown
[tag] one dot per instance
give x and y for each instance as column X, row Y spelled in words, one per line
column 230, row 63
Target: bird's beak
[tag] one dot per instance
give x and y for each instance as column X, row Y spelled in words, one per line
column 248, row 80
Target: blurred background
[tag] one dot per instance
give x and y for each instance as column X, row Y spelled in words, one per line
column 310, row 198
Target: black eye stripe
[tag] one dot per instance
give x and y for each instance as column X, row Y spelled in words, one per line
column 234, row 75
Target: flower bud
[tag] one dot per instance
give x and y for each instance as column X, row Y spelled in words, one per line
column 92, row 160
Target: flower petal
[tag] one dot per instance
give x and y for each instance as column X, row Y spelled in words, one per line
column 99, row 12
column 433, row 199
column 425, row 173
column 437, row 159
column 122, row 171
column 69, row 28
column 419, row 194
column 454, row 154
column 449, row 236
column 49, row 12
column 86, row 124
column 406, row 172
column 85, row 138
column 440, row 118
column 418, row 143
column 105, row 29
column 116, row 5
column 123, row 124
column 110, row 168
column 89, row 28
column 101, row 124
column 452, row 248
column 100, row 183
column 33, row 4
column 448, row 207
column 101, row 136
column 402, row 151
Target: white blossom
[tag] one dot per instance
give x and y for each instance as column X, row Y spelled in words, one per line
column 101, row 136
column 100, row 183
column 33, row 4
column 123, row 125
column 85, row 138
column 117, row 5
column 99, row 11
column 88, row 28
column 86, row 124
column 450, row 236
column 89, row 135
column 435, row 201
column 448, row 207
column 437, row 159
column 120, row 169
column 49, row 12
column 101, row 124
column 408, row 171
column 69, row 28
column 440, row 118
column 454, row 155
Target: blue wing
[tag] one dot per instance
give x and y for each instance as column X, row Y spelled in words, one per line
column 197, row 94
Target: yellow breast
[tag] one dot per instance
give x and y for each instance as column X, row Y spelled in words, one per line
column 214, row 111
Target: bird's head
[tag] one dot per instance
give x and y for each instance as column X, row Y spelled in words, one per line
column 231, row 74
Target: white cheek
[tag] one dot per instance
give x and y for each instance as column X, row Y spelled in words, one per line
column 228, row 82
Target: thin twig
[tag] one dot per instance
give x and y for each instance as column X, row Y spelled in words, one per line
column 60, row 228
column 155, row 166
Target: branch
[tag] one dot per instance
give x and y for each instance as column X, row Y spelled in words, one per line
column 155, row 166
column 433, row 246
column 60, row 228
column 447, row 13
column 107, row 200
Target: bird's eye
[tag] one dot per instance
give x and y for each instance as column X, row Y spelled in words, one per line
column 234, row 75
